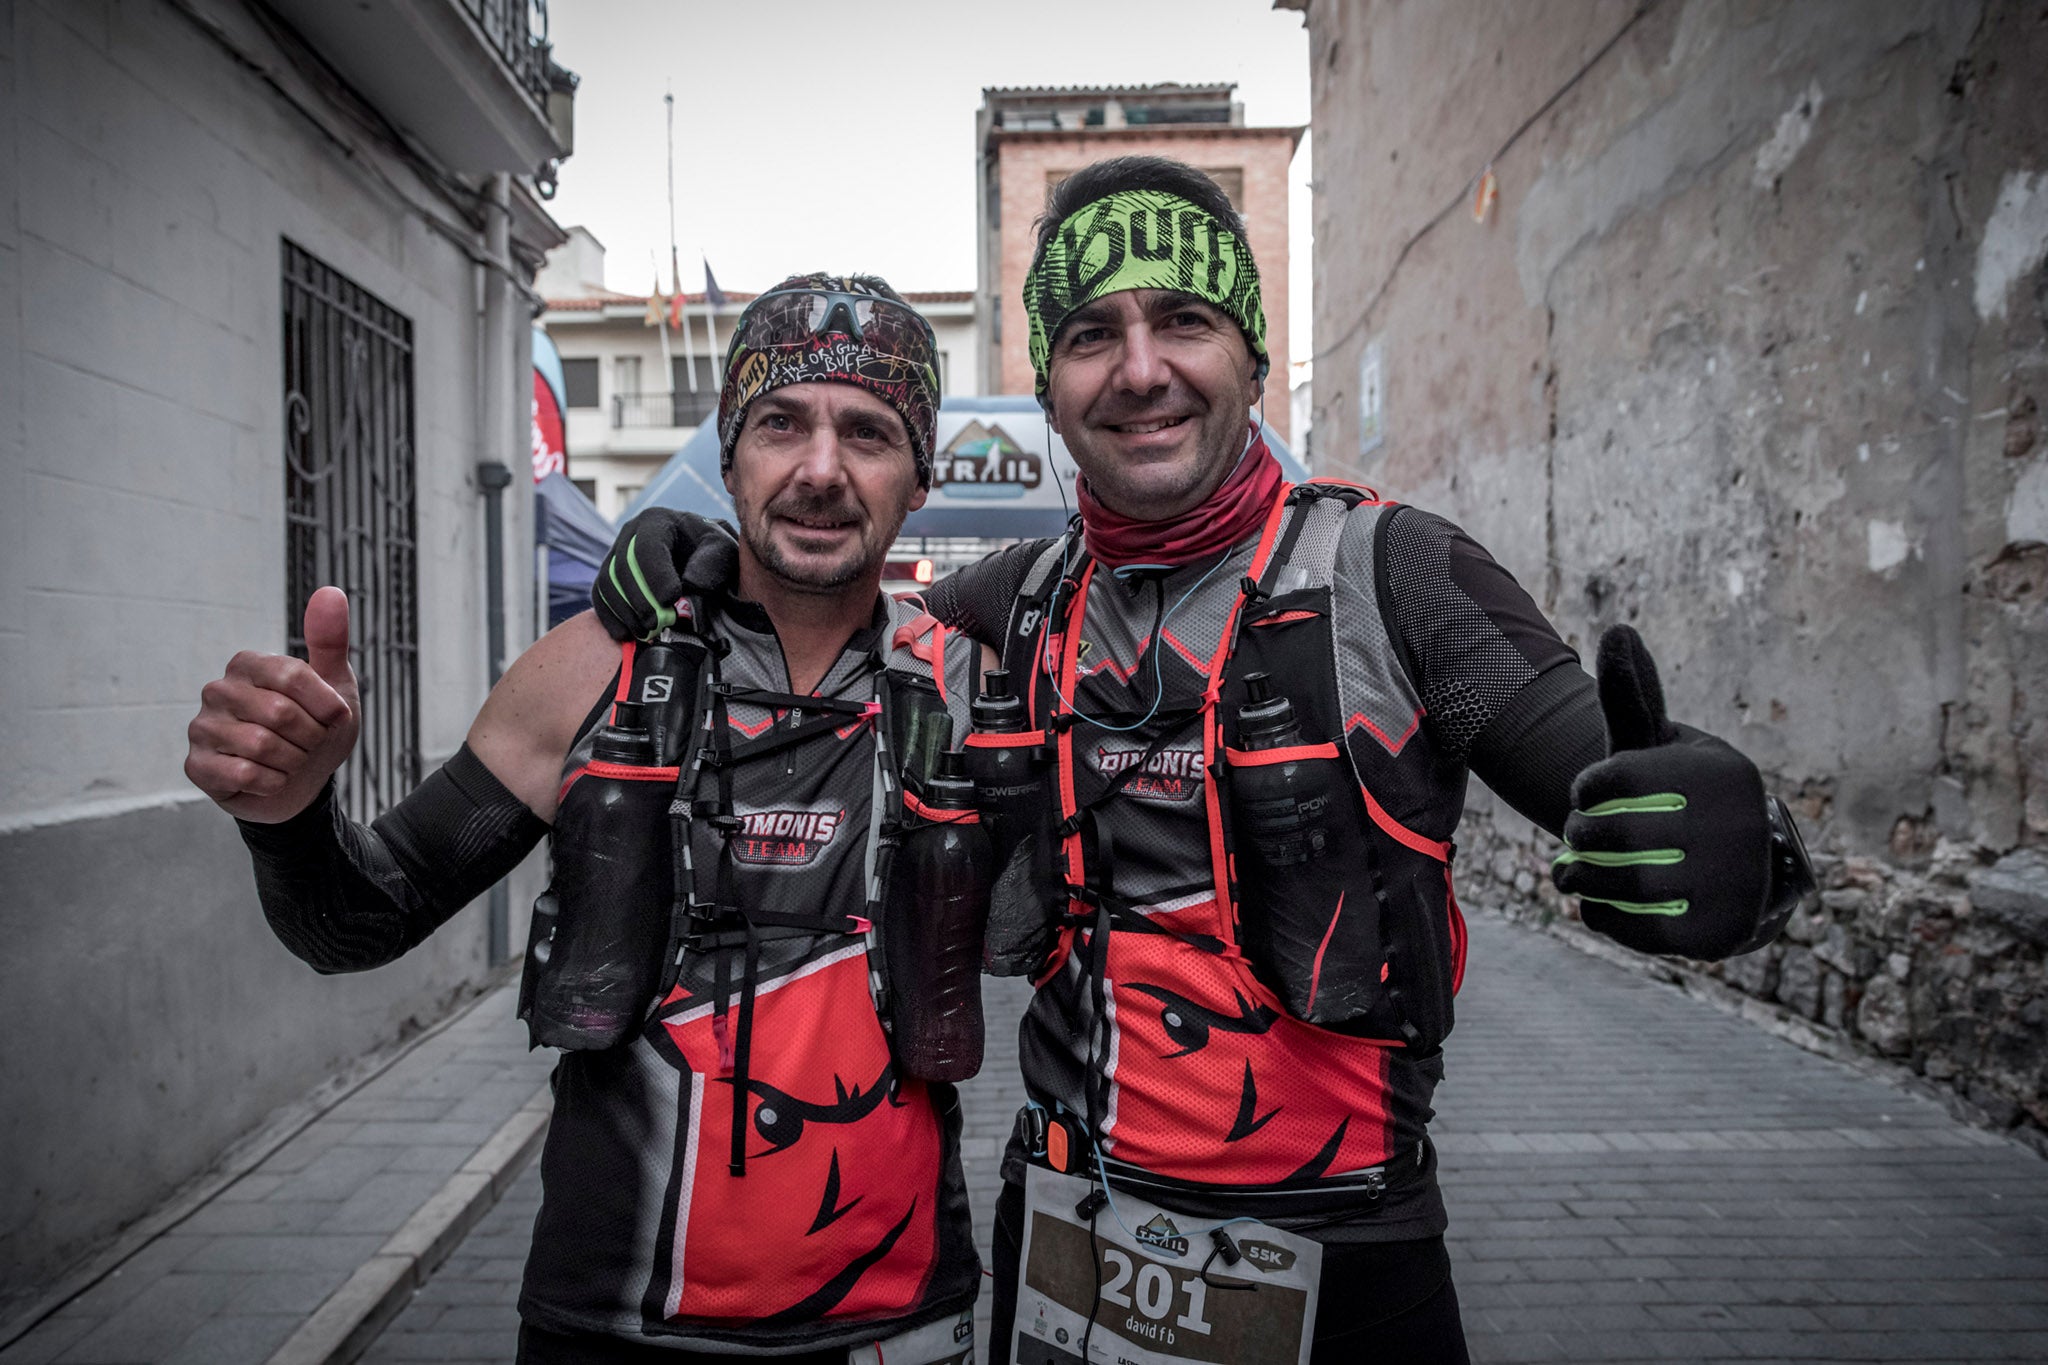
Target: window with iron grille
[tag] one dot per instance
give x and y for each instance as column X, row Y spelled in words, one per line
column 349, row 508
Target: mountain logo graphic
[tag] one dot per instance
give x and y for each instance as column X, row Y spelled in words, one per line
column 1161, row 1235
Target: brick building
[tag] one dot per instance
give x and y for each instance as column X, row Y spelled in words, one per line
column 1032, row 138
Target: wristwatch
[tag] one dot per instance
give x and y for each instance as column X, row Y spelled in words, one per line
column 1792, row 878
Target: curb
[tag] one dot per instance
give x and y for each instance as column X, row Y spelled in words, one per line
column 354, row 1315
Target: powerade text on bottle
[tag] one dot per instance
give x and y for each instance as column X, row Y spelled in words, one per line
column 1010, row 780
column 1310, row 930
column 595, row 974
column 931, row 938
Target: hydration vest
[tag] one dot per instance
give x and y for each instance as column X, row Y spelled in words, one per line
column 1151, row 1024
column 749, row 1169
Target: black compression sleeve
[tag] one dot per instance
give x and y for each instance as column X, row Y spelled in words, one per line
column 1470, row 637
column 1547, row 735
column 976, row 600
column 345, row 897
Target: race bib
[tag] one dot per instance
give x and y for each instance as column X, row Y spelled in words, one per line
column 949, row 1341
column 1155, row 1306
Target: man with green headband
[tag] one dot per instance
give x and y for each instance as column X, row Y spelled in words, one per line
column 1256, row 707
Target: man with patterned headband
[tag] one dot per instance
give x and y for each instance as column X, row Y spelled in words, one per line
column 1258, row 706
column 743, row 1168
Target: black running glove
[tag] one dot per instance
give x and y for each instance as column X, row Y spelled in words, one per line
column 1670, row 841
column 659, row 558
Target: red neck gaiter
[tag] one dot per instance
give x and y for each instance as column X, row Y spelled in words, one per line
column 1229, row 514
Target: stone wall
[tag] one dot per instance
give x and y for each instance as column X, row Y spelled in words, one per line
column 1749, row 350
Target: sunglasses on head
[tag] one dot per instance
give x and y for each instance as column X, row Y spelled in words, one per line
column 794, row 317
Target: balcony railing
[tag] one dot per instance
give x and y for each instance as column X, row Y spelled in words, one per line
column 683, row 409
column 518, row 33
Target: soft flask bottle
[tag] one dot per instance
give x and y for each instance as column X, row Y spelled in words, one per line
column 1311, row 933
column 596, row 968
column 1011, row 786
column 1013, row 792
column 932, row 936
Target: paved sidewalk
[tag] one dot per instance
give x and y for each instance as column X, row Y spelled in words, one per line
column 351, row 1206
column 1635, row 1175
column 1632, row 1175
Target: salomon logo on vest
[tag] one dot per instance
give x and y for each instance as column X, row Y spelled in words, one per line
column 785, row 838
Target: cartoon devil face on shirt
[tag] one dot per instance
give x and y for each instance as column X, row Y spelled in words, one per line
column 1213, row 1082
column 835, row 1214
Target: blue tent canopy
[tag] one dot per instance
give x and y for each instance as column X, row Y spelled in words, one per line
column 577, row 537
column 999, row 474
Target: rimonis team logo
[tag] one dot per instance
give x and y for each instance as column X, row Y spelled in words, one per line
column 1172, row 775
column 784, row 837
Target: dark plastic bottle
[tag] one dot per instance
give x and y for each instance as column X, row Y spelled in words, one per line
column 931, row 938
column 595, row 975
column 664, row 688
column 1011, row 781
column 1309, row 933
column 1282, row 808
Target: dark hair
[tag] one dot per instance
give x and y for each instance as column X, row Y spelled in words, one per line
column 1119, row 173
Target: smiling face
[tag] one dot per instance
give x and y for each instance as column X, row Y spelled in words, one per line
column 822, row 476
column 1150, row 389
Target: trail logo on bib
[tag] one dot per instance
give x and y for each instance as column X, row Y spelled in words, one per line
column 784, row 837
column 1161, row 1235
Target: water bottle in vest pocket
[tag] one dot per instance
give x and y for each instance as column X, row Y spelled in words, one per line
column 595, row 972
column 1310, row 911
column 932, row 931
column 1013, row 791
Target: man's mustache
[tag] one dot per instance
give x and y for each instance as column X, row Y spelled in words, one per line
column 819, row 509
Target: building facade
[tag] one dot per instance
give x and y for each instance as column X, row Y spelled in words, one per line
column 638, row 388
column 265, row 326
column 1732, row 322
column 1029, row 139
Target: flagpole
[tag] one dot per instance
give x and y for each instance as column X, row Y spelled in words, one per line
column 681, row 310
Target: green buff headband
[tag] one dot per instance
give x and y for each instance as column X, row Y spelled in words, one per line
column 1140, row 239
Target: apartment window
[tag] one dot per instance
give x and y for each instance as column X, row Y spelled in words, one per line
column 688, row 408
column 626, row 374
column 349, row 508
column 579, row 377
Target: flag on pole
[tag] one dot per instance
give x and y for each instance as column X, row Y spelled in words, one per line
column 714, row 299
column 675, row 310
column 654, row 302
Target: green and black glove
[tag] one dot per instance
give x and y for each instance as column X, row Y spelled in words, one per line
column 659, row 558
column 1672, row 845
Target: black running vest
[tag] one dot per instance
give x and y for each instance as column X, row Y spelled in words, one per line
column 850, row 1218
column 1197, row 1076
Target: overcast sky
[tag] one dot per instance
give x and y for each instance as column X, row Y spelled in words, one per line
column 841, row 136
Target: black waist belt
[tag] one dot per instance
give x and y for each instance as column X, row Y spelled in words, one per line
column 1359, row 1192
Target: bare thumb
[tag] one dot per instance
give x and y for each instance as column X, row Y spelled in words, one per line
column 327, row 636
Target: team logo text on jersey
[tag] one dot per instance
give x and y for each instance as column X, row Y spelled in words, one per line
column 784, row 837
column 1172, row 775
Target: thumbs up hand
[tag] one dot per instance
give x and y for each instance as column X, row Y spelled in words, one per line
column 1669, row 844
column 272, row 729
